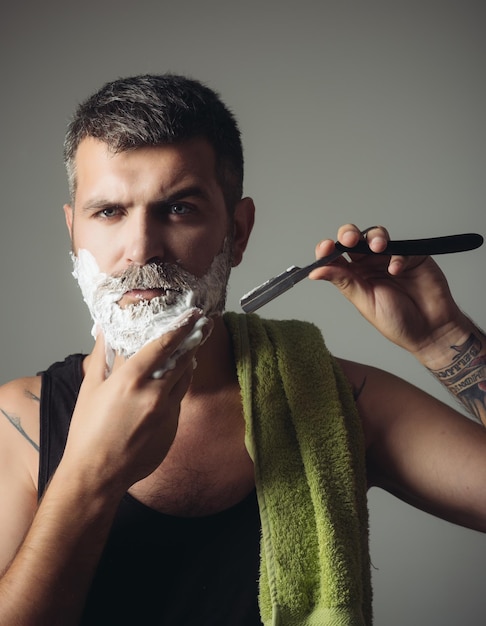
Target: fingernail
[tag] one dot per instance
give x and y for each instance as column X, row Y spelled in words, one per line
column 349, row 236
column 378, row 242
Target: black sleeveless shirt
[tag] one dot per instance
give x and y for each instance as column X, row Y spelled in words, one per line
column 158, row 569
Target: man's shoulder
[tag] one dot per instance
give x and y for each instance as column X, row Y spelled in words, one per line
column 20, row 389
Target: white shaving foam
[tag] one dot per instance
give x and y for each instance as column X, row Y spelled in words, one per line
column 126, row 330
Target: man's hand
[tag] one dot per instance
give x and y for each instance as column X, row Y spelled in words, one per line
column 124, row 425
column 406, row 298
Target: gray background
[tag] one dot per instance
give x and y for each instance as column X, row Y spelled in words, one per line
column 366, row 111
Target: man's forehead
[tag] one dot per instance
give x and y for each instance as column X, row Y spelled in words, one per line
column 169, row 166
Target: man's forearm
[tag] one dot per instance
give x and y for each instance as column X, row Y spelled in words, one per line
column 48, row 580
column 464, row 373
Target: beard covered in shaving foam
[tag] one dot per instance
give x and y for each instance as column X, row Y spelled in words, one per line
column 126, row 330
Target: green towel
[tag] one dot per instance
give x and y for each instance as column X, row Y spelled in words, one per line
column 304, row 436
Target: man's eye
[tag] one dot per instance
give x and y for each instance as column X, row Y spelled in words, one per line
column 179, row 209
column 108, row 212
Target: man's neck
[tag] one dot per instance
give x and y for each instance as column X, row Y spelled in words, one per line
column 215, row 361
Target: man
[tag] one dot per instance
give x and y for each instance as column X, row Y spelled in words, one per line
column 408, row 300
column 175, row 491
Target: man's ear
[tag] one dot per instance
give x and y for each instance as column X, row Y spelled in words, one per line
column 68, row 215
column 243, row 220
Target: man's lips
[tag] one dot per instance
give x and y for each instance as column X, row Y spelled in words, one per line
column 134, row 296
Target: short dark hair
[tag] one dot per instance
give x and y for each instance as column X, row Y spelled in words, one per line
column 152, row 110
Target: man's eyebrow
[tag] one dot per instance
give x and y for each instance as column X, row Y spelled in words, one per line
column 192, row 191
column 97, row 204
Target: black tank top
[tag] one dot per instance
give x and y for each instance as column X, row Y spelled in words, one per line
column 158, row 569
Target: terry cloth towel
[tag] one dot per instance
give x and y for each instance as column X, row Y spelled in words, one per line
column 305, row 438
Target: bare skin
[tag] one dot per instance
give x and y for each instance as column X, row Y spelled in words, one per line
column 425, row 452
column 408, row 300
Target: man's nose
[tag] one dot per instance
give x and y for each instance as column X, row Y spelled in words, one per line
column 144, row 241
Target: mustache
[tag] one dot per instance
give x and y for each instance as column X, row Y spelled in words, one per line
column 154, row 275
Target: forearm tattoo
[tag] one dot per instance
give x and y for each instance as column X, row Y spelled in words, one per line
column 17, row 423
column 465, row 376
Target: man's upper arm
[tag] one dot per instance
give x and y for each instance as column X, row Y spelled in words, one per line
column 19, row 459
column 420, row 449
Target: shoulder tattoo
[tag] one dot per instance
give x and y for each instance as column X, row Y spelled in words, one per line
column 17, row 422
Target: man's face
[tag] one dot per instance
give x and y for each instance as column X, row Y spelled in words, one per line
column 152, row 206
column 157, row 203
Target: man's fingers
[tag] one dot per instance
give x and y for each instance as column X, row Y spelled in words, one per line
column 324, row 248
column 377, row 238
column 349, row 235
column 156, row 356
